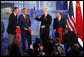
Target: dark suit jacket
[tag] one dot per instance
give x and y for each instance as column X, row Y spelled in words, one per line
column 57, row 24
column 70, row 38
column 12, row 24
column 46, row 21
column 23, row 24
column 2, row 27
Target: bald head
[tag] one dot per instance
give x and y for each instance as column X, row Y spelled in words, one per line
column 45, row 10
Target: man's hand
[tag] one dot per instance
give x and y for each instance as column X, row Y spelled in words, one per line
column 76, row 45
column 34, row 15
column 54, row 30
column 17, row 27
column 43, row 26
column 29, row 27
column 25, row 29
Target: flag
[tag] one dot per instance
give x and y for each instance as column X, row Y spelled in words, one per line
column 79, row 21
column 71, row 22
column 75, row 24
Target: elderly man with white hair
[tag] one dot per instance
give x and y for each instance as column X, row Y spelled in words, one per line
column 46, row 20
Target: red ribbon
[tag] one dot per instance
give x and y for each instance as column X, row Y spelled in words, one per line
column 41, row 31
column 60, row 34
column 29, row 31
column 18, row 35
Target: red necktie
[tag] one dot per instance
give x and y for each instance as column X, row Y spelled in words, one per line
column 25, row 19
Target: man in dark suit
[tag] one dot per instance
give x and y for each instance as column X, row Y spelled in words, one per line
column 69, row 39
column 59, row 22
column 25, row 25
column 46, row 20
column 12, row 26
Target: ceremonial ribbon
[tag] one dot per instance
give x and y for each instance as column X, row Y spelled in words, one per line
column 60, row 34
column 41, row 30
column 29, row 31
column 18, row 35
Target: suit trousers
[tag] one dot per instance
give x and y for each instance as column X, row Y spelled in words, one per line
column 11, row 39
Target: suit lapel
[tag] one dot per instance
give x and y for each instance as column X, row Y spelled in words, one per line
column 23, row 19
